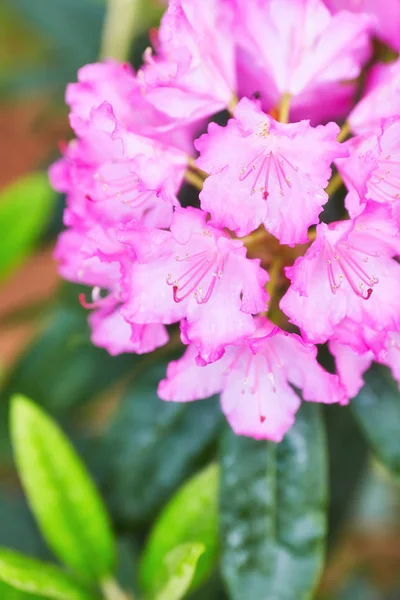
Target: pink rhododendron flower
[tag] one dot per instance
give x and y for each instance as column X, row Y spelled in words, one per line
column 197, row 273
column 193, row 73
column 380, row 101
column 150, row 257
column 352, row 365
column 255, row 379
column 265, row 172
column 313, row 52
column 373, row 165
column 386, row 13
column 348, row 271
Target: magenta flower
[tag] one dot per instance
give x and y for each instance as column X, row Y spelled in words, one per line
column 152, row 258
column 193, row 73
column 197, row 273
column 313, row 52
column 265, row 172
column 255, row 379
column 381, row 99
column 372, row 168
column 387, row 16
column 348, row 271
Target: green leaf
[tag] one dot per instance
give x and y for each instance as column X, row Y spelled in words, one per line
column 25, row 209
column 190, row 516
column 152, row 446
column 348, row 459
column 37, row 577
column 179, row 568
column 377, row 410
column 61, row 494
column 273, row 505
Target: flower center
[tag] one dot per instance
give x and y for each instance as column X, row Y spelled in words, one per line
column 346, row 261
column 266, row 166
column 123, row 185
column 203, row 270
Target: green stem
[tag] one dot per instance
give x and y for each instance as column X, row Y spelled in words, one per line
column 334, row 185
column 118, row 28
column 344, row 132
column 284, row 108
column 194, row 179
column 112, row 591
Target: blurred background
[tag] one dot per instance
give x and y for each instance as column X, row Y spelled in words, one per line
column 45, row 351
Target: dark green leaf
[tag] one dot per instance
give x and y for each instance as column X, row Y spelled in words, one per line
column 62, row 496
column 152, row 446
column 190, row 516
column 377, row 410
column 36, row 577
column 348, row 458
column 273, row 505
column 62, row 368
column 25, row 208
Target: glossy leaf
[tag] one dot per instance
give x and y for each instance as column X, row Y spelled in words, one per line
column 273, row 505
column 39, row 578
column 190, row 516
column 179, row 569
column 152, row 446
column 377, row 410
column 348, row 459
column 25, row 209
column 61, row 494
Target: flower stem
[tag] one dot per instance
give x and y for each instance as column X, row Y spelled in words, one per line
column 334, row 185
column 118, row 28
column 284, row 108
column 344, row 132
column 232, row 103
column 112, row 591
column 194, row 179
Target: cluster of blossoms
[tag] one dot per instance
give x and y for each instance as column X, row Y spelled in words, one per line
column 251, row 274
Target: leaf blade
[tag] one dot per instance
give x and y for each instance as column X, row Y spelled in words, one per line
column 36, row 577
column 377, row 411
column 180, row 566
column 62, row 497
column 25, row 208
column 190, row 516
column 273, row 521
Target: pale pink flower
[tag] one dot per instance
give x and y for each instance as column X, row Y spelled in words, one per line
column 386, row 13
column 373, row 165
column 266, row 172
column 297, row 47
column 380, row 101
column 351, row 365
column 348, row 271
column 121, row 175
column 197, row 273
column 117, row 336
column 193, row 73
column 116, row 83
column 255, row 379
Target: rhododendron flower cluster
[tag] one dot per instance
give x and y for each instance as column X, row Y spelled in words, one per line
column 236, row 100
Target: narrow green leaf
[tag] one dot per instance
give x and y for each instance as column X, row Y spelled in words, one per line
column 35, row 577
column 61, row 494
column 377, row 410
column 11, row 593
column 273, row 505
column 179, row 569
column 152, row 446
column 190, row 516
column 25, row 209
